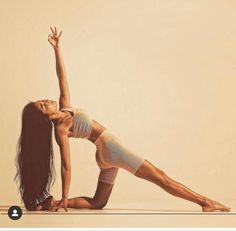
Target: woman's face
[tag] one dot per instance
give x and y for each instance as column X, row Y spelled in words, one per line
column 47, row 107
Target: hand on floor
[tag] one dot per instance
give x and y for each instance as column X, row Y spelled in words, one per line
column 59, row 204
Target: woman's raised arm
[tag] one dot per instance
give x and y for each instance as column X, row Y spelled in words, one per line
column 54, row 40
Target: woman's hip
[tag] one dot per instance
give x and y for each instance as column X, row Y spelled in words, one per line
column 112, row 153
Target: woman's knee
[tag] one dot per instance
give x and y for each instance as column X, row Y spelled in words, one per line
column 146, row 170
column 98, row 204
column 151, row 173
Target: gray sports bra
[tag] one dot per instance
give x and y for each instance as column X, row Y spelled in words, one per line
column 82, row 123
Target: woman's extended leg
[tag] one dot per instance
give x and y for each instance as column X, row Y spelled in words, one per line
column 151, row 173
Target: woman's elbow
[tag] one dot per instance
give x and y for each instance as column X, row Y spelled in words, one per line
column 66, row 167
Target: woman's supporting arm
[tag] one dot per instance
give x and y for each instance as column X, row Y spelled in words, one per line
column 63, row 142
column 65, row 167
column 54, row 40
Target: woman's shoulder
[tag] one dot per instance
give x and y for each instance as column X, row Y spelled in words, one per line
column 69, row 108
column 63, row 126
column 77, row 111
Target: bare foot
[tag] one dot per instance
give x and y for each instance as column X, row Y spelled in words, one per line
column 38, row 207
column 214, row 206
column 53, row 203
column 46, row 204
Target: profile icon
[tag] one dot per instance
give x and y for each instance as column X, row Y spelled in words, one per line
column 14, row 212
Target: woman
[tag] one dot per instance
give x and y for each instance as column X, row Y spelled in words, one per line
column 35, row 155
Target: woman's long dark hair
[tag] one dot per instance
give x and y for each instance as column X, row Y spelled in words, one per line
column 34, row 160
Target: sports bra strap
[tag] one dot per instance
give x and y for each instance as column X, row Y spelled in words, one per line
column 70, row 109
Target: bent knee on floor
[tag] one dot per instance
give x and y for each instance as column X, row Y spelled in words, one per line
column 98, row 204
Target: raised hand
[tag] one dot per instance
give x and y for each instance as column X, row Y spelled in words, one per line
column 54, row 38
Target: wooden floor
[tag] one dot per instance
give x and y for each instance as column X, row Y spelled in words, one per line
column 123, row 216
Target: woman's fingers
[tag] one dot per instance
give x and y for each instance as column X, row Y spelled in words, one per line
column 54, row 38
column 53, row 209
column 50, row 39
column 57, row 207
column 52, row 30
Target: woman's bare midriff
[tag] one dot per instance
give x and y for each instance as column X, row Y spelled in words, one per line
column 97, row 130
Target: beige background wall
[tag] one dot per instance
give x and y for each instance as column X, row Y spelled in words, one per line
column 160, row 74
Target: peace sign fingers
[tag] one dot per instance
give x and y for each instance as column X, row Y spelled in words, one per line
column 54, row 37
